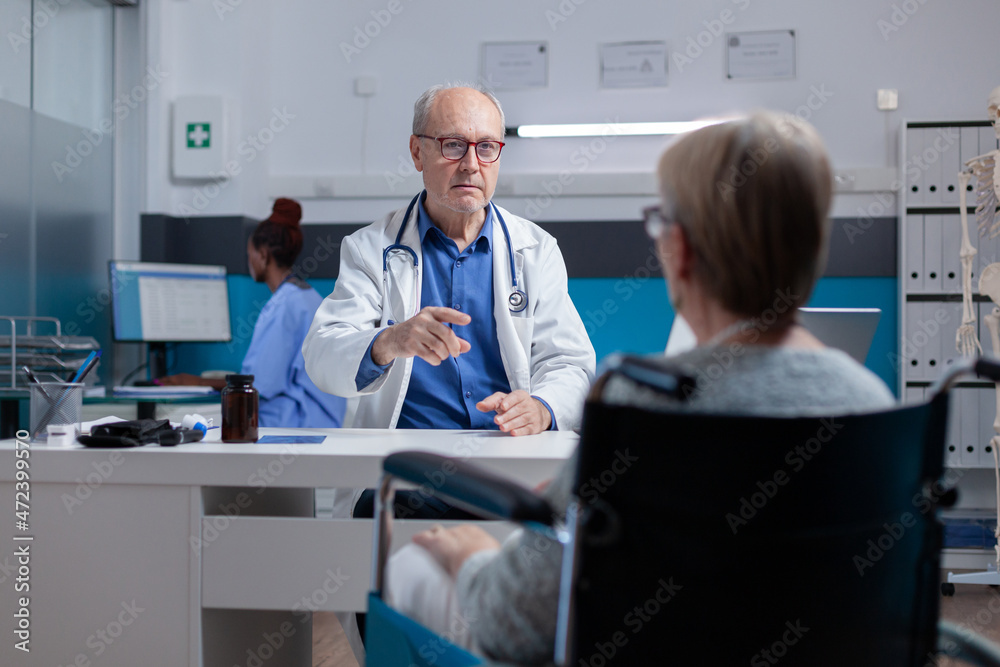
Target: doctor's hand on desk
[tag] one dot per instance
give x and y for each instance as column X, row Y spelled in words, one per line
column 518, row 413
column 424, row 335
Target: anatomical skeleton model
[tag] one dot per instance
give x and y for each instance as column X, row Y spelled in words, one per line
column 985, row 169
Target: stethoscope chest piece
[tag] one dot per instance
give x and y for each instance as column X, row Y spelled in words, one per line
column 517, row 301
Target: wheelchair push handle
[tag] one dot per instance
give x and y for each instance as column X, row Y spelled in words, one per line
column 645, row 371
column 987, row 368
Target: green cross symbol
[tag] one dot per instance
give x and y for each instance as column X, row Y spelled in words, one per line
column 199, row 135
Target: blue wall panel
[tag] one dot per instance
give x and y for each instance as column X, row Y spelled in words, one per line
column 620, row 314
column 632, row 315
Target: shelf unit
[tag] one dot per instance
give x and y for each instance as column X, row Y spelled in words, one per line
column 37, row 342
column 930, row 298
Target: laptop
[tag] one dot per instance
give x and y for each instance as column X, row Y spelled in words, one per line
column 847, row 329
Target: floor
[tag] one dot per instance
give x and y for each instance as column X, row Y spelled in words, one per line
column 974, row 607
column 330, row 647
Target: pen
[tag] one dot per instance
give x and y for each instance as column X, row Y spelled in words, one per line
column 34, row 380
column 88, row 364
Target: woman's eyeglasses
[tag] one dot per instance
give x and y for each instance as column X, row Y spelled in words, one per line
column 654, row 221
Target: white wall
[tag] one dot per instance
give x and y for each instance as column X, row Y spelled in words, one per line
column 287, row 55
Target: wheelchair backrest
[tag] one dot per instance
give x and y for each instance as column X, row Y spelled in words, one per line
column 712, row 539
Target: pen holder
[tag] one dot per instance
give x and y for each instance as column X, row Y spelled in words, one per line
column 54, row 403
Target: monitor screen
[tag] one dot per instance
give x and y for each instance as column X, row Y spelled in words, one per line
column 169, row 303
column 847, row 329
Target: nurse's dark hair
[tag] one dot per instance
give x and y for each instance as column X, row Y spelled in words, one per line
column 281, row 233
column 422, row 107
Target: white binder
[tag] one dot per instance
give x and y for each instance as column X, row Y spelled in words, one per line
column 914, row 174
column 932, row 254
column 987, row 412
column 968, row 150
column 931, row 326
column 953, row 435
column 987, row 140
column 932, row 160
column 951, row 248
column 912, row 354
column 950, row 163
column 914, row 253
column 968, row 410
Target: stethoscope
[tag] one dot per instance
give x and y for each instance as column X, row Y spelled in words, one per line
column 517, row 301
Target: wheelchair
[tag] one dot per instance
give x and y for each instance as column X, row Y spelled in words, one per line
column 807, row 540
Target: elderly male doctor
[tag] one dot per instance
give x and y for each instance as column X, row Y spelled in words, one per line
column 427, row 323
column 451, row 313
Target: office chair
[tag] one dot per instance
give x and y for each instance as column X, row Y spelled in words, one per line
column 733, row 540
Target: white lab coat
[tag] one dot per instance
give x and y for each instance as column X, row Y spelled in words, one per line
column 545, row 348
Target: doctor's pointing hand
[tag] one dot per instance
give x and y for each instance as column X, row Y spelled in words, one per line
column 427, row 336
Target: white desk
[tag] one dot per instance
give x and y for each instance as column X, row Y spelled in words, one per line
column 117, row 531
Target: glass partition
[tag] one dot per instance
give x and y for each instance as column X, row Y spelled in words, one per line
column 56, row 171
column 16, row 27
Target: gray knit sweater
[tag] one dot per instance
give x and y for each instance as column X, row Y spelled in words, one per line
column 510, row 595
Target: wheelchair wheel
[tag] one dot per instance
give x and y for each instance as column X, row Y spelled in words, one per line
column 947, row 589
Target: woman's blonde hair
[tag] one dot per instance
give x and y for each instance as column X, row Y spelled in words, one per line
column 752, row 196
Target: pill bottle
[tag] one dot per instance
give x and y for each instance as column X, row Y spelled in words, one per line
column 240, row 403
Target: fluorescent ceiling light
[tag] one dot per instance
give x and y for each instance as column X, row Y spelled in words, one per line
column 617, row 129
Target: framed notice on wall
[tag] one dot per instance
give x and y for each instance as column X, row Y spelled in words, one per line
column 508, row 65
column 634, row 65
column 760, row 55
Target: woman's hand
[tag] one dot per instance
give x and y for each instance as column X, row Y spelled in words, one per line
column 188, row 380
column 453, row 546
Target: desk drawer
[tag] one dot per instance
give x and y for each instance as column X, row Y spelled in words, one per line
column 295, row 564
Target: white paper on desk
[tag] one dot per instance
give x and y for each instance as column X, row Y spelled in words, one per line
column 169, row 390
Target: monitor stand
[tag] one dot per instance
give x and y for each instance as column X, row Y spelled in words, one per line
column 157, row 369
column 157, row 360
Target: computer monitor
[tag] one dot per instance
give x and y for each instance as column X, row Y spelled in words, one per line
column 160, row 303
column 847, row 329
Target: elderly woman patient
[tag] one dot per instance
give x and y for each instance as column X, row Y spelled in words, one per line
column 741, row 232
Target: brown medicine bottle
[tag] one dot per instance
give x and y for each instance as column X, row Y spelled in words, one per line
column 240, row 403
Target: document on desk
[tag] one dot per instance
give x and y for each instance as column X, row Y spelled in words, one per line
column 171, row 391
column 291, row 439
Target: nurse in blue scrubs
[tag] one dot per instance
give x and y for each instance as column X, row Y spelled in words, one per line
column 287, row 396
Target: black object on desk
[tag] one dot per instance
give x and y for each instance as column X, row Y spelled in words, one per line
column 139, row 432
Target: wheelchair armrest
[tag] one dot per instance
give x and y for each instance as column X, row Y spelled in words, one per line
column 964, row 644
column 470, row 487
